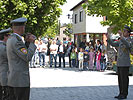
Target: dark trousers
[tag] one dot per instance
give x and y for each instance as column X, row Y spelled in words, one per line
column 69, row 60
column 0, row 92
column 19, row 93
column 5, row 93
column 123, row 80
column 73, row 62
column 77, row 61
column 62, row 55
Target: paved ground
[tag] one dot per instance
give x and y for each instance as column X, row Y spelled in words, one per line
column 71, row 84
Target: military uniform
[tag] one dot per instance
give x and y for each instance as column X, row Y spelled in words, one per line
column 123, row 64
column 18, row 59
column 3, row 67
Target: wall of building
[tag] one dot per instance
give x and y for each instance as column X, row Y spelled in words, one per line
column 62, row 35
column 89, row 25
column 93, row 25
column 79, row 27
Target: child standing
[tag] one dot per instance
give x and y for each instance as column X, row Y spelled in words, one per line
column 98, row 57
column 73, row 57
column 91, row 59
column 80, row 58
column 103, row 61
column 86, row 60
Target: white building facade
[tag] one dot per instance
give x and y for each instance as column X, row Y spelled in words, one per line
column 86, row 27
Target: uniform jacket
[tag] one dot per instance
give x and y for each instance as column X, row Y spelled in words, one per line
column 3, row 65
column 124, row 46
column 18, row 59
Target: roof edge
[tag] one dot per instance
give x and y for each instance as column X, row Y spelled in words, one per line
column 77, row 5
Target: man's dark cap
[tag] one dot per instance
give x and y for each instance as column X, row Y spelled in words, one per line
column 128, row 28
column 19, row 21
column 5, row 31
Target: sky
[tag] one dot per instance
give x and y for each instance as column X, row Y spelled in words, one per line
column 66, row 10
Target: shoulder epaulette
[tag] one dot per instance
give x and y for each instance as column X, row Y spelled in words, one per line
column 18, row 38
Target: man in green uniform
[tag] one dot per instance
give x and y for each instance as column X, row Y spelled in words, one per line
column 3, row 64
column 123, row 61
column 18, row 59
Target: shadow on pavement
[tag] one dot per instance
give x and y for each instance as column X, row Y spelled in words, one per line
column 115, row 74
column 110, row 73
column 78, row 93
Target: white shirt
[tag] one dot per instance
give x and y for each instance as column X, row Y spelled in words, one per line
column 37, row 46
column 53, row 49
column 61, row 48
column 80, row 56
column 42, row 46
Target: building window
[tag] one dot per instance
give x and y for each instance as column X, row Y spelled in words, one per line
column 76, row 18
column 81, row 16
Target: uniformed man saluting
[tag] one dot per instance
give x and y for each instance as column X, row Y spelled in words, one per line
column 3, row 64
column 18, row 59
column 123, row 61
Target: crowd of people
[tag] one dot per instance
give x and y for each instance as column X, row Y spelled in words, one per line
column 16, row 53
column 86, row 56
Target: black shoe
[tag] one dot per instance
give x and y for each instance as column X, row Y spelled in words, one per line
column 122, row 97
column 117, row 96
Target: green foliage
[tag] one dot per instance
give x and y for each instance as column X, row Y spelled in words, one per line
column 68, row 30
column 41, row 14
column 52, row 31
column 118, row 12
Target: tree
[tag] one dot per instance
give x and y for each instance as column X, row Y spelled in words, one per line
column 68, row 30
column 118, row 12
column 41, row 14
column 53, row 30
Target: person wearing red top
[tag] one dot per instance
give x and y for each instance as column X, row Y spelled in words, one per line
column 98, row 57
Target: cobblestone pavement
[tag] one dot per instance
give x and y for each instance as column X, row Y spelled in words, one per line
column 71, row 84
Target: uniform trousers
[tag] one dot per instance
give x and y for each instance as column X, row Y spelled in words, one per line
column 5, row 93
column 0, row 92
column 19, row 93
column 123, row 80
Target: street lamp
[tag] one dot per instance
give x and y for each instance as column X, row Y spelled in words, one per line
column 70, row 29
column 68, row 16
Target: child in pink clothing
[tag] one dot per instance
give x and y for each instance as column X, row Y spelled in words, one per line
column 91, row 59
column 98, row 57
